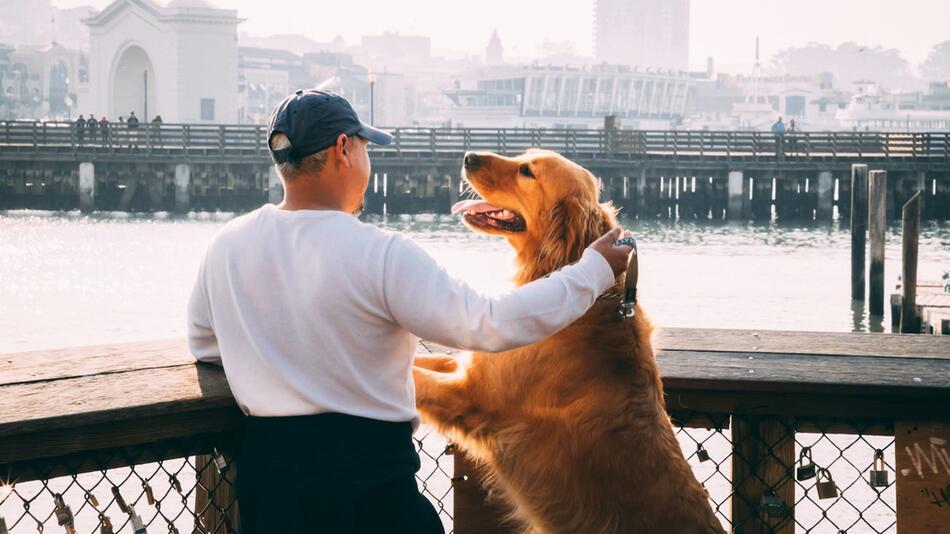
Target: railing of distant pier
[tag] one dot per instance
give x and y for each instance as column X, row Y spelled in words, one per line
column 250, row 140
column 139, row 433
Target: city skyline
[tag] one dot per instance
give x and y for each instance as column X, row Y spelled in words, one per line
column 723, row 29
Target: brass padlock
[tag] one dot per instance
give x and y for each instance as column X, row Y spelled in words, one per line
column 149, row 495
column 92, row 500
column 119, row 500
column 806, row 468
column 878, row 476
column 105, row 525
column 773, row 505
column 64, row 515
column 701, row 453
column 173, row 480
column 826, row 489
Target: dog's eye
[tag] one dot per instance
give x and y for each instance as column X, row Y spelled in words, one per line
column 525, row 170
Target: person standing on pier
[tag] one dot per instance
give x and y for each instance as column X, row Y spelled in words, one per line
column 104, row 130
column 778, row 127
column 80, row 129
column 93, row 126
column 314, row 316
column 133, row 126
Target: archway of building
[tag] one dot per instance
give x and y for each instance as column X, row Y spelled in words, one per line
column 133, row 87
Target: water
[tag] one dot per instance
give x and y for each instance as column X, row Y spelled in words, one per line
column 67, row 279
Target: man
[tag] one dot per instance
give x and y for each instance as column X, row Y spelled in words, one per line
column 132, row 124
column 92, row 124
column 778, row 127
column 314, row 316
column 104, row 129
column 80, row 129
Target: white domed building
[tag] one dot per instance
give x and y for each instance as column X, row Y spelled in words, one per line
column 177, row 59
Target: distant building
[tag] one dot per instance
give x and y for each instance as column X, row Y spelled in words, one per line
column 494, row 53
column 264, row 79
column 179, row 60
column 643, row 33
column 567, row 97
column 42, row 81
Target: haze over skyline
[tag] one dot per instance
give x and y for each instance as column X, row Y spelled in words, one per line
column 723, row 29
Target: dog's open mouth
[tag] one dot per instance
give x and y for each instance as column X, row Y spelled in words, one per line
column 481, row 214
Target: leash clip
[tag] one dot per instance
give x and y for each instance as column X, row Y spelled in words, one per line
column 627, row 307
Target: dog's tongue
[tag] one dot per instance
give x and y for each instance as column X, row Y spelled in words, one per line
column 478, row 206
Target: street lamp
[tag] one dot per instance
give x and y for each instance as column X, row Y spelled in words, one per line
column 372, row 98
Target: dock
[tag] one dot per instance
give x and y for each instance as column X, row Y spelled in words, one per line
column 932, row 304
column 145, row 419
column 730, row 175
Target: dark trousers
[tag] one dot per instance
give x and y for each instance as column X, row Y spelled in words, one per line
column 330, row 473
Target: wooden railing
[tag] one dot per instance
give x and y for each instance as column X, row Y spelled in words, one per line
column 250, row 140
column 78, row 410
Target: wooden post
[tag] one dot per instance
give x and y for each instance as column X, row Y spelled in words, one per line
column 877, row 227
column 214, row 493
column 762, row 462
column 859, row 226
column 910, row 232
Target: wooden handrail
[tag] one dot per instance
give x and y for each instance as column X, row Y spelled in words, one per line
column 241, row 139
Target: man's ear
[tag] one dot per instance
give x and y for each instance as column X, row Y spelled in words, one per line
column 342, row 149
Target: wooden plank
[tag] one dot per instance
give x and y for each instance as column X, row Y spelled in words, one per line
column 806, row 373
column 74, row 402
column 762, row 460
column 922, row 451
column 825, row 343
column 74, row 362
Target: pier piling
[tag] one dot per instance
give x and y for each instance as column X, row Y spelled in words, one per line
column 87, row 187
column 910, row 233
column 736, row 188
column 275, row 189
column 826, row 196
column 877, row 227
column 859, row 225
column 182, row 188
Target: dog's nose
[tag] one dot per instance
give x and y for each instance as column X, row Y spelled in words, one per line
column 471, row 160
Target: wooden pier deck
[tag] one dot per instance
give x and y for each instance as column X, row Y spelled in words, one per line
column 88, row 409
column 933, row 307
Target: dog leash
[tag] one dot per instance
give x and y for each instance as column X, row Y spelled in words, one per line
column 628, row 299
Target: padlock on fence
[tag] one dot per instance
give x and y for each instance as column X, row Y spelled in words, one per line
column 64, row 515
column 773, row 505
column 701, row 453
column 219, row 461
column 806, row 468
column 3, row 527
column 119, row 500
column 105, row 525
column 92, row 500
column 138, row 526
column 878, row 475
column 826, row 489
column 149, row 495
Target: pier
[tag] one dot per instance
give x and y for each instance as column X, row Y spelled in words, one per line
column 145, row 419
column 649, row 174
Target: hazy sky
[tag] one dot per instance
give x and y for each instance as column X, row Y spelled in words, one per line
column 724, row 29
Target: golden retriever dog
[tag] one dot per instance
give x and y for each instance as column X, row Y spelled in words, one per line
column 573, row 429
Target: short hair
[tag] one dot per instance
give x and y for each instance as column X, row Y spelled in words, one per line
column 310, row 164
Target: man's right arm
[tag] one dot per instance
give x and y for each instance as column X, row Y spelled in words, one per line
column 422, row 298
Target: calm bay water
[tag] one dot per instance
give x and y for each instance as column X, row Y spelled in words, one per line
column 69, row 279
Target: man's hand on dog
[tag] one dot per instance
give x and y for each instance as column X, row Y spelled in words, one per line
column 616, row 256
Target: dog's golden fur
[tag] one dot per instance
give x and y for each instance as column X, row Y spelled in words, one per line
column 572, row 429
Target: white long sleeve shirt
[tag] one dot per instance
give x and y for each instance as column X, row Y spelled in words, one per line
column 314, row 311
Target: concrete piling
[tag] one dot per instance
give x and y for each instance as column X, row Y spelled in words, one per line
column 275, row 188
column 182, row 188
column 736, row 188
column 826, row 196
column 87, row 187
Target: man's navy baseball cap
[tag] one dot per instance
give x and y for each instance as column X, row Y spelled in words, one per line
column 312, row 120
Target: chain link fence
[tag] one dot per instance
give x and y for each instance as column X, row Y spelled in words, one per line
column 793, row 482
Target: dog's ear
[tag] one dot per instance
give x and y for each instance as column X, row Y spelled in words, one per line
column 572, row 226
